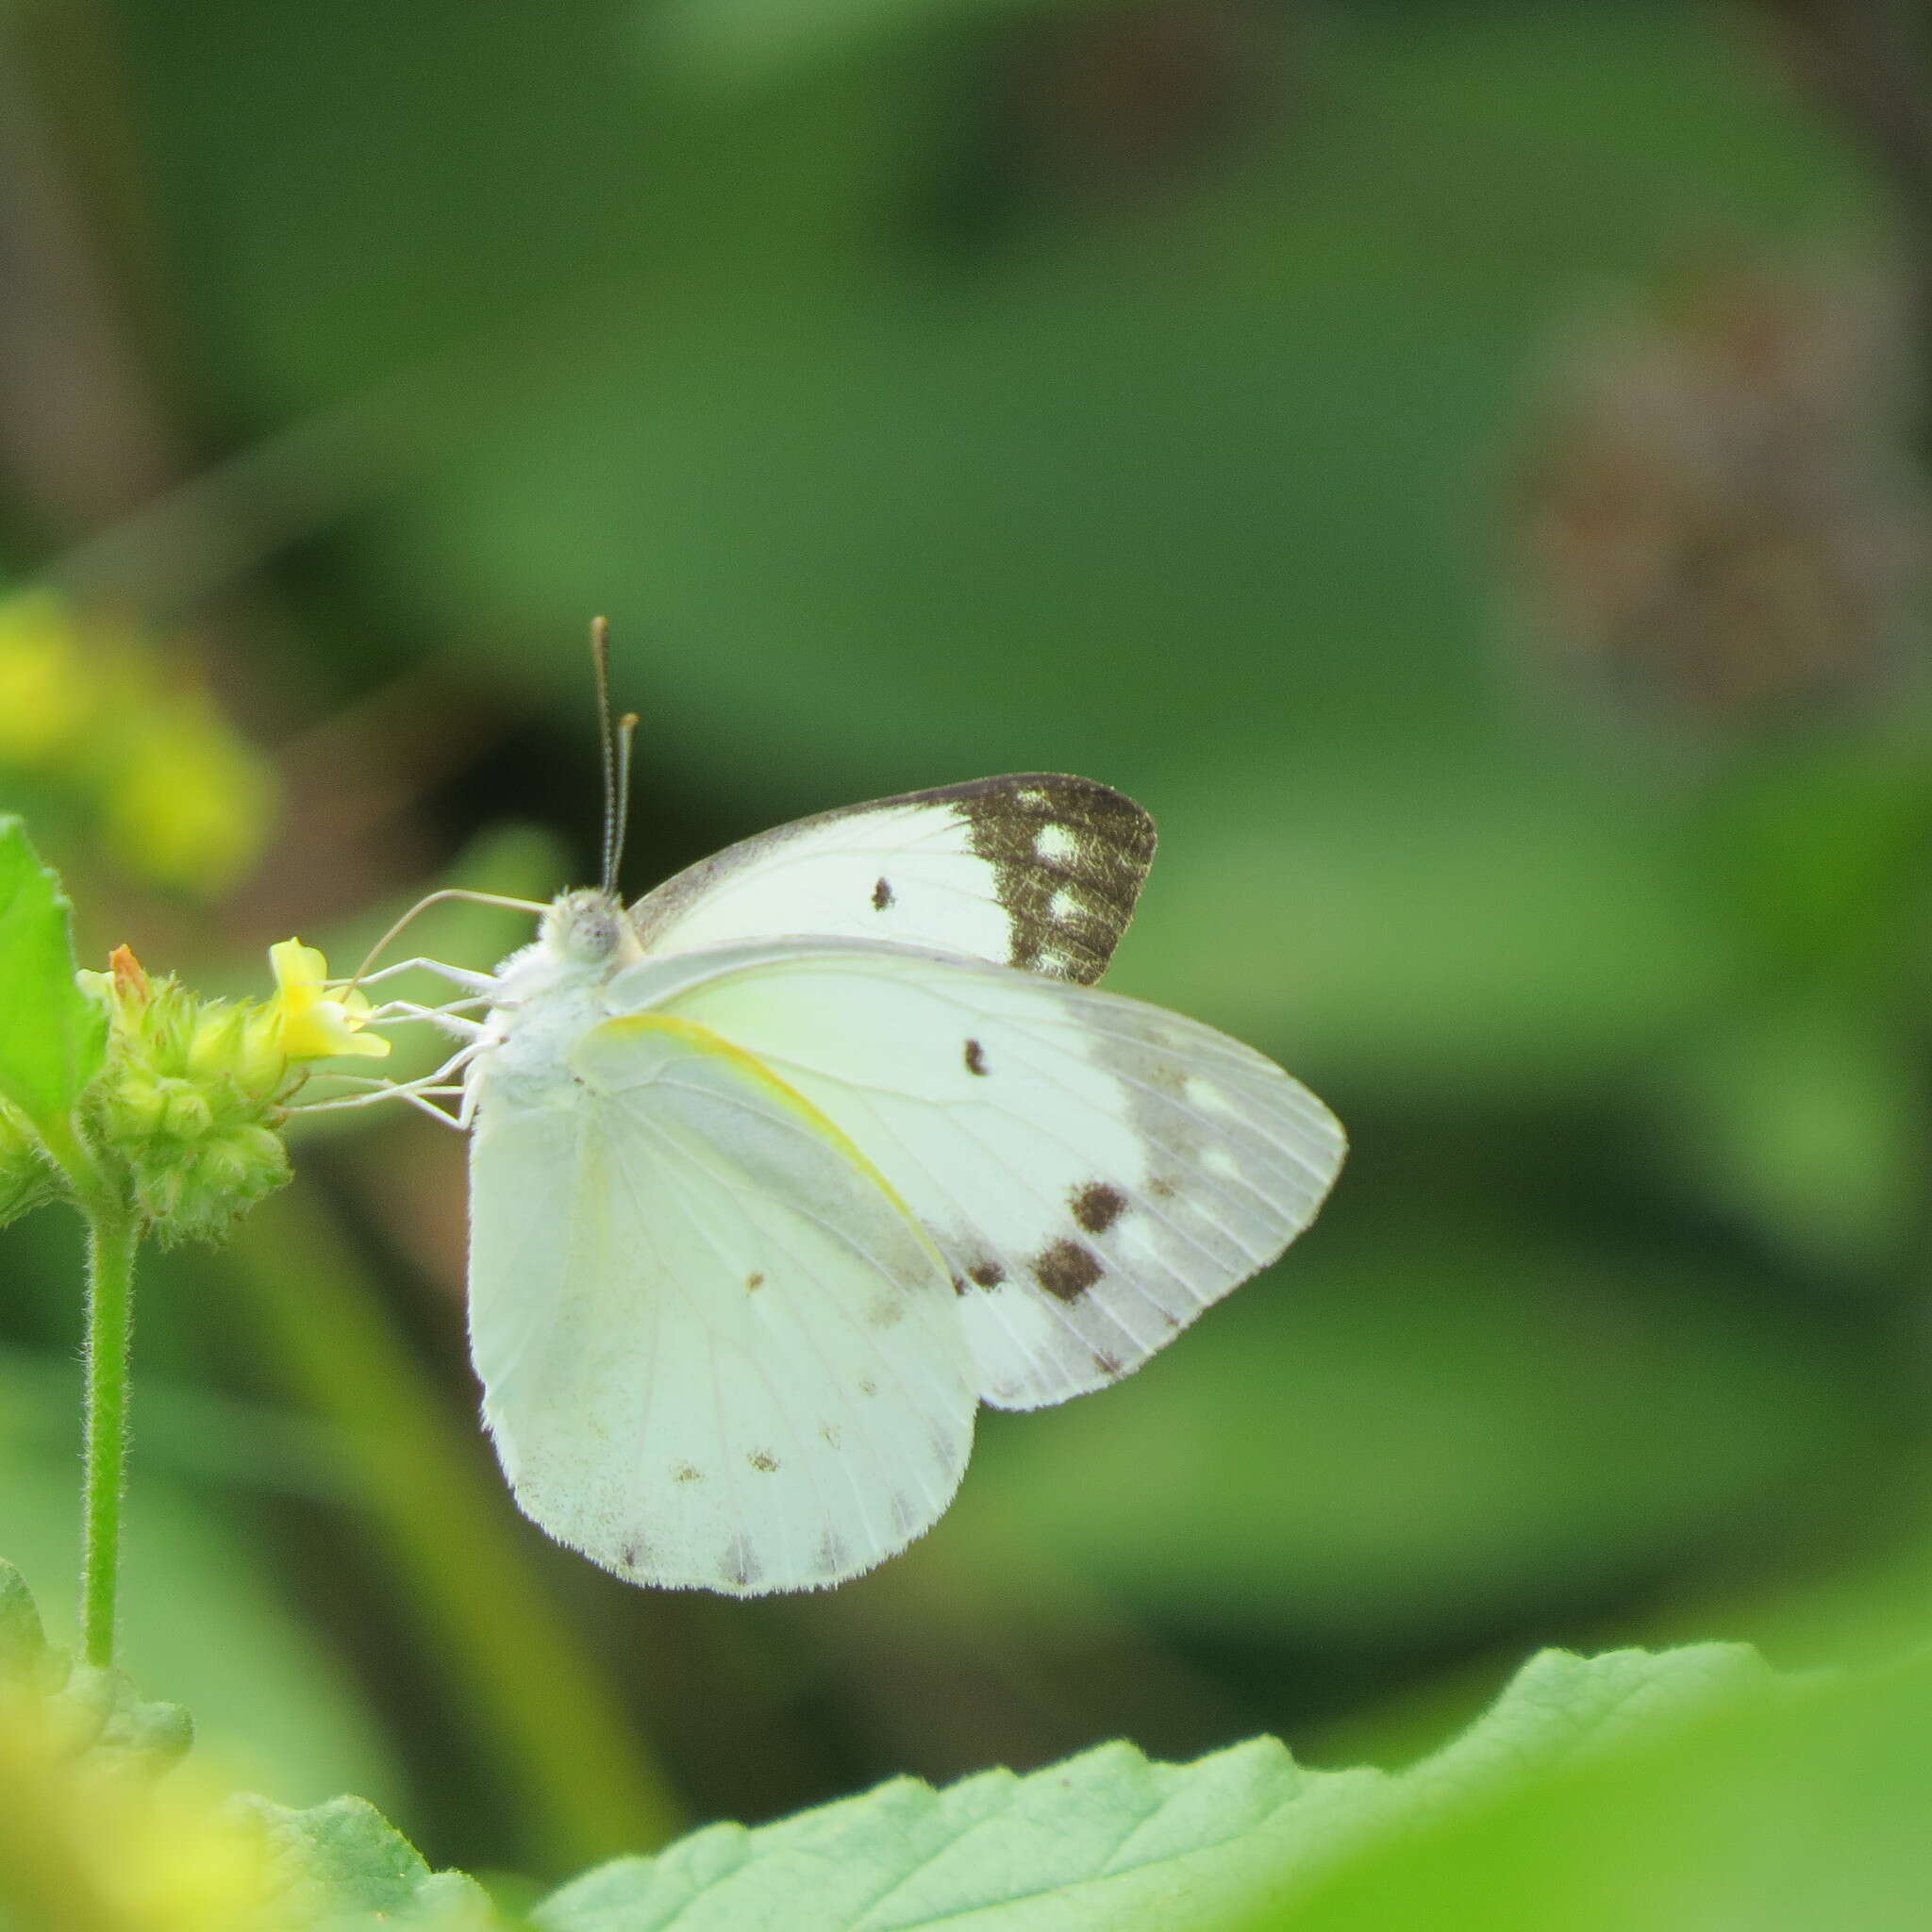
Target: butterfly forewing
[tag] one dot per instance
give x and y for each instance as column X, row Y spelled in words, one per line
column 1036, row 871
column 716, row 1349
column 1095, row 1171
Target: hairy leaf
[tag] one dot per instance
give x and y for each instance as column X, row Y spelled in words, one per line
column 53, row 1038
column 342, row 1865
column 1111, row 1840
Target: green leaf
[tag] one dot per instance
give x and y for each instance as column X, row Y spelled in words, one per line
column 1781, row 1812
column 1109, row 1840
column 342, row 1865
column 96, row 1712
column 53, row 1038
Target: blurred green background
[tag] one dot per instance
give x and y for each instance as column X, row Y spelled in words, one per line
column 1459, row 465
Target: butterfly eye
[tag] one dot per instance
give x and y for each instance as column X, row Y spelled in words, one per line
column 585, row 925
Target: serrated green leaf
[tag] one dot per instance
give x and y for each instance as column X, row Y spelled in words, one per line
column 1782, row 1813
column 340, row 1866
column 1108, row 1839
column 53, row 1038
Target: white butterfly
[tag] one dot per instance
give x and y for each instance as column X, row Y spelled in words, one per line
column 781, row 1172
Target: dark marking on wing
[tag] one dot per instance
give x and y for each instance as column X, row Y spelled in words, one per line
column 1171, row 1320
column 887, row 1310
column 882, row 895
column 762, row 1461
column 1098, row 1205
column 738, row 1565
column 1107, row 1364
column 868, row 1387
column 832, row 1432
column 1067, row 1270
column 754, row 1282
column 684, row 1473
column 631, row 1556
column 975, row 1058
column 1098, row 848
column 1164, row 1189
column 987, row 1273
column 1068, row 859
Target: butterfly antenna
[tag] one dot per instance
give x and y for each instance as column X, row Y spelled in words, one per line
column 627, row 733
column 607, row 740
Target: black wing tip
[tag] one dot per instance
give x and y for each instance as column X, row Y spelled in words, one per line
column 1094, row 800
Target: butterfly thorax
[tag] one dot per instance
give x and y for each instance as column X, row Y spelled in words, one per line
column 551, row 992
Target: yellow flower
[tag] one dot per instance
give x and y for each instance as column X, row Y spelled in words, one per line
column 311, row 1023
column 47, row 690
column 187, row 802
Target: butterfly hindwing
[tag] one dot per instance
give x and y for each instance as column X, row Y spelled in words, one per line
column 1095, row 1171
column 717, row 1351
column 1034, row 869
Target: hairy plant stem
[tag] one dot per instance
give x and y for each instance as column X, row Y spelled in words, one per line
column 112, row 1238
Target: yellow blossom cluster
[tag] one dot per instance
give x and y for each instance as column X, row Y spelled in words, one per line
column 197, row 1089
column 92, row 710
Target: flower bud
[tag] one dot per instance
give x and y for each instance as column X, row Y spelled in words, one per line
column 195, row 1089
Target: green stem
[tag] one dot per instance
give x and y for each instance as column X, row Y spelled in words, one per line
column 112, row 1238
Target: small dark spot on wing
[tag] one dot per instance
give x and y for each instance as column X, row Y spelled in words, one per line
column 975, row 1058
column 1107, row 1364
column 987, row 1273
column 738, row 1565
column 684, row 1473
column 1098, row 1205
column 832, row 1432
column 867, row 1386
column 762, row 1461
column 881, row 895
column 1067, row 1270
column 753, row 1282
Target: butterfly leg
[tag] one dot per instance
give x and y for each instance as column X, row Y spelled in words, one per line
column 475, row 983
column 391, row 1011
column 410, row 1090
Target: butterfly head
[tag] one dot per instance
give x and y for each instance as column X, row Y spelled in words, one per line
column 589, row 927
